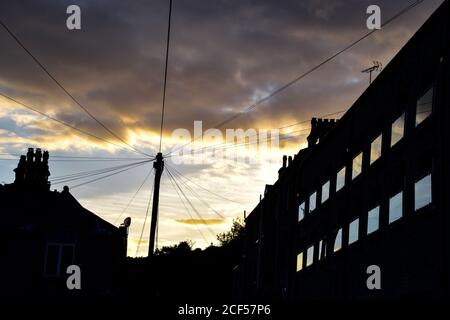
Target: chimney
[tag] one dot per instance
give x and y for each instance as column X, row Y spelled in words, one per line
column 45, row 158
column 21, row 170
column 38, row 156
column 281, row 170
column 319, row 128
column 30, row 155
column 33, row 170
column 289, row 161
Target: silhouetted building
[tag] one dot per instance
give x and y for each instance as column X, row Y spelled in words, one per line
column 42, row 232
column 370, row 189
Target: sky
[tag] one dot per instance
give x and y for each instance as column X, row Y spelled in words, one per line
column 224, row 55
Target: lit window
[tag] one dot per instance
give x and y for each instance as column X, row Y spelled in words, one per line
column 300, row 261
column 398, row 130
column 357, row 165
column 340, row 180
column 424, row 106
column 395, row 207
column 325, row 191
column 301, row 211
column 422, row 192
column 373, row 220
column 353, row 231
column 310, row 256
column 312, row 201
column 338, row 241
column 320, row 249
column 375, row 149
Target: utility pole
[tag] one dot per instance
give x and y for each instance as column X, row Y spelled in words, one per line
column 158, row 164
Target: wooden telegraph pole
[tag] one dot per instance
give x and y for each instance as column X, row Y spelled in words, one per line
column 158, row 164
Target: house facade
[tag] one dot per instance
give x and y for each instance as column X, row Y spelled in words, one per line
column 42, row 232
column 369, row 193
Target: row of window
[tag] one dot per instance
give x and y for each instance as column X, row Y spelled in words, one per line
column 423, row 110
column 422, row 198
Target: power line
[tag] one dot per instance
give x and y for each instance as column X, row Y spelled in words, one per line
column 145, row 220
column 165, row 75
column 224, row 146
column 196, row 195
column 63, row 122
column 107, row 176
column 17, row 40
column 133, row 197
column 205, row 189
column 199, row 216
column 186, row 208
column 78, row 157
column 308, row 72
column 85, row 174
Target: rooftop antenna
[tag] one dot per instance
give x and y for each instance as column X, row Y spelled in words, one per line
column 377, row 66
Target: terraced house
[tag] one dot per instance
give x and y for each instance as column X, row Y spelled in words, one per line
column 370, row 189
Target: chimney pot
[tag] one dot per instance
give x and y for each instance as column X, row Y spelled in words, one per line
column 284, row 161
column 30, row 155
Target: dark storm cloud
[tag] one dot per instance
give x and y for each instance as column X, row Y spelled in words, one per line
column 223, row 54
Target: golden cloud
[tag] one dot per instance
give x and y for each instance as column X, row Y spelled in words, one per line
column 201, row 221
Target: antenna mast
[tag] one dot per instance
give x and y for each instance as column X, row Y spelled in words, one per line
column 377, row 66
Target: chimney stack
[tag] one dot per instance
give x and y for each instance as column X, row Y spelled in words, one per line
column 30, row 155
column 38, row 156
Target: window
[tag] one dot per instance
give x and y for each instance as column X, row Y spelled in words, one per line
column 398, row 130
column 299, row 261
column 375, row 149
column 422, row 192
column 301, row 211
column 424, row 106
column 320, row 250
column 353, row 231
column 325, row 191
column 357, row 165
column 312, row 201
column 338, row 241
column 340, row 180
column 58, row 258
column 373, row 220
column 310, row 256
column 395, row 207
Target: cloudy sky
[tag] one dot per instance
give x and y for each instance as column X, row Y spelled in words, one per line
column 224, row 56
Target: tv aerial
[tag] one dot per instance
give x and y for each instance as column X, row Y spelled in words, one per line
column 377, row 66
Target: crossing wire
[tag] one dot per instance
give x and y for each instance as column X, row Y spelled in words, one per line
column 145, row 220
column 165, row 75
column 133, row 197
column 199, row 216
column 44, row 68
column 27, row 106
column 107, row 176
column 311, row 70
column 186, row 208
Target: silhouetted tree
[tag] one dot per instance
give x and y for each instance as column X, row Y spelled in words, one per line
column 184, row 247
column 234, row 233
